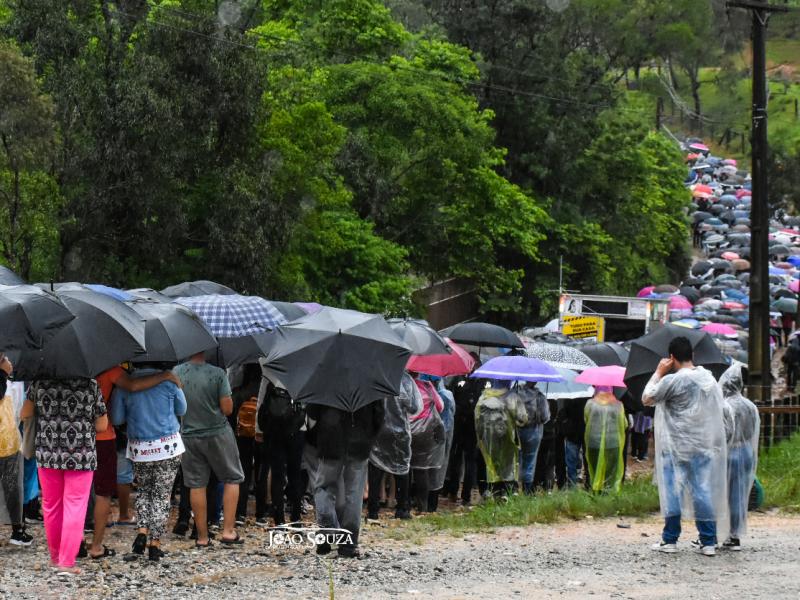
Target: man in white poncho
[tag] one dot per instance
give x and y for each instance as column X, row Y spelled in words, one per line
column 742, row 426
column 691, row 457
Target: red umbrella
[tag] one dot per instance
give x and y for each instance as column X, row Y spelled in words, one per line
column 730, row 305
column 743, row 192
column 458, row 362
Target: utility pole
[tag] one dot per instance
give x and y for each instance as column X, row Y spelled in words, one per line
column 760, row 367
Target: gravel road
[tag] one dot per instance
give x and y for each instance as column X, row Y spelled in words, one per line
column 591, row 558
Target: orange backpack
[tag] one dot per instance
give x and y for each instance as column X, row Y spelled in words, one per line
column 246, row 418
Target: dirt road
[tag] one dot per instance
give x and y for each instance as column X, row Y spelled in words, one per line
column 591, row 558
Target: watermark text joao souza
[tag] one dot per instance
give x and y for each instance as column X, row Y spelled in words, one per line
column 306, row 534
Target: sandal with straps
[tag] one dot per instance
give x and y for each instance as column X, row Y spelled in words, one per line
column 107, row 553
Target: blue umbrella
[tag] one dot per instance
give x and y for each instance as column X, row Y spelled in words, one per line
column 794, row 260
column 115, row 293
column 777, row 271
column 517, row 368
column 232, row 315
column 688, row 323
column 566, row 389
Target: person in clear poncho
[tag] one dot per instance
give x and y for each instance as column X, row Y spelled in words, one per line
column 391, row 452
column 742, row 426
column 691, row 453
column 497, row 415
column 436, row 477
column 604, row 440
column 428, row 440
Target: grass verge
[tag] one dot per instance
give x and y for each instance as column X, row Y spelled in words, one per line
column 778, row 470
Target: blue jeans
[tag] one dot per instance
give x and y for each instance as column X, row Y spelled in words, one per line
column 572, row 456
column 740, row 468
column 529, row 437
column 692, row 476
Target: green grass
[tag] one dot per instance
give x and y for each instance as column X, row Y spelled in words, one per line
column 783, row 51
column 778, row 470
column 779, row 473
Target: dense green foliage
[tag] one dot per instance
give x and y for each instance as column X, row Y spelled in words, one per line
column 335, row 150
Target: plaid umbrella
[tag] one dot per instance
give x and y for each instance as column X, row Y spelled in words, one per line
column 232, row 315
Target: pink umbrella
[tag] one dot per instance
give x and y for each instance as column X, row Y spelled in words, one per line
column 611, row 376
column 719, row 329
column 743, row 192
column 794, row 285
column 729, row 161
column 458, row 362
column 679, row 303
column 645, row 291
column 697, row 147
column 730, row 256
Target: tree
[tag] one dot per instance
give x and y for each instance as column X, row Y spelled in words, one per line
column 29, row 197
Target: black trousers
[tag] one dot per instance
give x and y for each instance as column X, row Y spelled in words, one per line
column 639, row 443
column 284, row 455
column 185, row 506
column 376, row 483
column 250, row 455
column 544, row 476
column 463, row 454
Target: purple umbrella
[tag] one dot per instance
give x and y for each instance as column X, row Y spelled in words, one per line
column 517, row 368
column 311, row 308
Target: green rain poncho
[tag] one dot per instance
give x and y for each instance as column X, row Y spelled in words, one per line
column 604, row 440
column 497, row 415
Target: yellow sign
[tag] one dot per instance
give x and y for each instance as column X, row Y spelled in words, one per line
column 584, row 327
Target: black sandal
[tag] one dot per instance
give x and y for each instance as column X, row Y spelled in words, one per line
column 107, row 553
column 208, row 544
column 234, row 542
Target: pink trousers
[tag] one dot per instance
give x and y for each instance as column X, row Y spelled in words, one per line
column 65, row 495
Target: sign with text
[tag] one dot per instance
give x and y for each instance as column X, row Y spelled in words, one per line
column 583, row 327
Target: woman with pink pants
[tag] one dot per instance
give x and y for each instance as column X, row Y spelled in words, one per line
column 68, row 413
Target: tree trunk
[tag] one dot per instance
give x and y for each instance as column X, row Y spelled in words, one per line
column 694, row 78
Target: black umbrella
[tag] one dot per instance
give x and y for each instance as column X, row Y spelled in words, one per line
column 694, row 282
column 606, row 354
column 784, row 293
column 651, row 348
column 690, row 293
column 149, row 294
column 701, row 215
column 419, row 336
column 716, row 209
column 173, row 333
column 779, row 250
column 722, row 318
column 8, row 277
column 289, row 310
column 335, row 357
column 104, row 333
column 728, row 217
column 483, row 334
column 701, row 267
column 201, row 287
column 29, row 317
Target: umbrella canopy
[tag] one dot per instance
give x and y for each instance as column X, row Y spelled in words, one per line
column 785, row 305
column 665, row 288
column 701, row 267
column 648, row 350
column 113, row 292
column 419, row 336
column 104, row 333
column 606, row 353
column 740, row 265
column 309, row 307
column 690, row 293
column 335, row 357
column 609, row 376
column 483, row 334
column 8, row 277
column 201, row 287
column 290, row 310
column 457, row 362
column 517, row 368
column 173, row 333
column 688, row 323
column 730, row 255
column 645, row 291
column 29, row 317
column 149, row 294
column 567, row 388
column 560, row 356
column 232, row 315
column 679, row 303
column 719, row 329
column 784, row 293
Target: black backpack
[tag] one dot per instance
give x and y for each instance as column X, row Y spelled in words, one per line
column 279, row 411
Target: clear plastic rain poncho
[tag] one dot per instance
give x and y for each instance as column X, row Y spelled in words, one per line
column 742, row 427
column 604, row 440
column 691, row 453
column 497, row 415
column 427, row 430
column 391, row 451
column 437, row 476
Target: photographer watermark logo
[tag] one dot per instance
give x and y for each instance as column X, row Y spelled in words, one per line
column 306, row 534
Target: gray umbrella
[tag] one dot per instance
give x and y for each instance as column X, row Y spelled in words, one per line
column 149, row 294
column 172, row 332
column 290, row 310
column 563, row 357
column 201, row 287
column 340, row 358
column 104, row 333
column 483, row 335
column 29, row 316
column 8, row 277
column 419, row 336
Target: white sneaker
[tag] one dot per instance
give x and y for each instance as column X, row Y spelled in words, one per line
column 705, row 550
column 665, row 548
